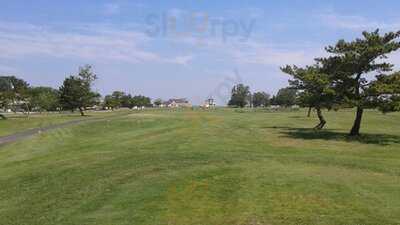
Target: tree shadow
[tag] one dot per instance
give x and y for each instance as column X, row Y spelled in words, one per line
column 329, row 134
column 296, row 117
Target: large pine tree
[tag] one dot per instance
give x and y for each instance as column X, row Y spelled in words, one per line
column 352, row 63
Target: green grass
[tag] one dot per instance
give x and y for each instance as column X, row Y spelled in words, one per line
column 205, row 168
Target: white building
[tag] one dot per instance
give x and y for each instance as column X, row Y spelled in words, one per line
column 209, row 103
column 176, row 103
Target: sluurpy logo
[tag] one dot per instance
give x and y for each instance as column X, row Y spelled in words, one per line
column 198, row 25
column 223, row 89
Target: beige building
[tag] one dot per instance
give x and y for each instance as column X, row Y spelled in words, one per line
column 177, row 103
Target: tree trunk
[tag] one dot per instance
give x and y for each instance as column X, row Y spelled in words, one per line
column 309, row 112
column 321, row 118
column 81, row 111
column 355, row 131
column 28, row 110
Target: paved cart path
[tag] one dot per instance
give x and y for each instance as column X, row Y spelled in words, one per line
column 31, row 132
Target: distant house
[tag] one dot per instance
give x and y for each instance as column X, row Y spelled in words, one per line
column 295, row 107
column 209, row 103
column 16, row 106
column 275, row 107
column 177, row 103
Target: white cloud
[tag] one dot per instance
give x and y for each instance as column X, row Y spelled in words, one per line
column 182, row 60
column 94, row 43
column 259, row 52
column 106, row 43
column 355, row 22
column 275, row 57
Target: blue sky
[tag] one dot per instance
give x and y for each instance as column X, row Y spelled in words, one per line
column 166, row 49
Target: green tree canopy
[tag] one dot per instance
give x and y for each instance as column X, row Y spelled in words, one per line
column 126, row 101
column 286, row 97
column 141, row 101
column 115, row 100
column 76, row 93
column 385, row 92
column 351, row 61
column 315, row 88
column 261, row 99
column 240, row 96
column 158, row 102
column 44, row 98
column 110, row 102
column 12, row 90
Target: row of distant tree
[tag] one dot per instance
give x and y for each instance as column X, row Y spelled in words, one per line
column 120, row 99
column 75, row 94
column 355, row 74
column 241, row 96
column 16, row 93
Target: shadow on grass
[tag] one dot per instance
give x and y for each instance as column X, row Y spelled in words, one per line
column 312, row 134
column 297, row 117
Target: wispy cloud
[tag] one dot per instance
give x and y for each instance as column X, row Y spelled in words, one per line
column 107, row 43
column 182, row 60
column 276, row 57
column 94, row 43
column 356, row 22
column 256, row 52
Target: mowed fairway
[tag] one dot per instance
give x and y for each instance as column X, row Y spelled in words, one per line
column 206, row 168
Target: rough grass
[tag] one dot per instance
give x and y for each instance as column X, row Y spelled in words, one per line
column 205, row 167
